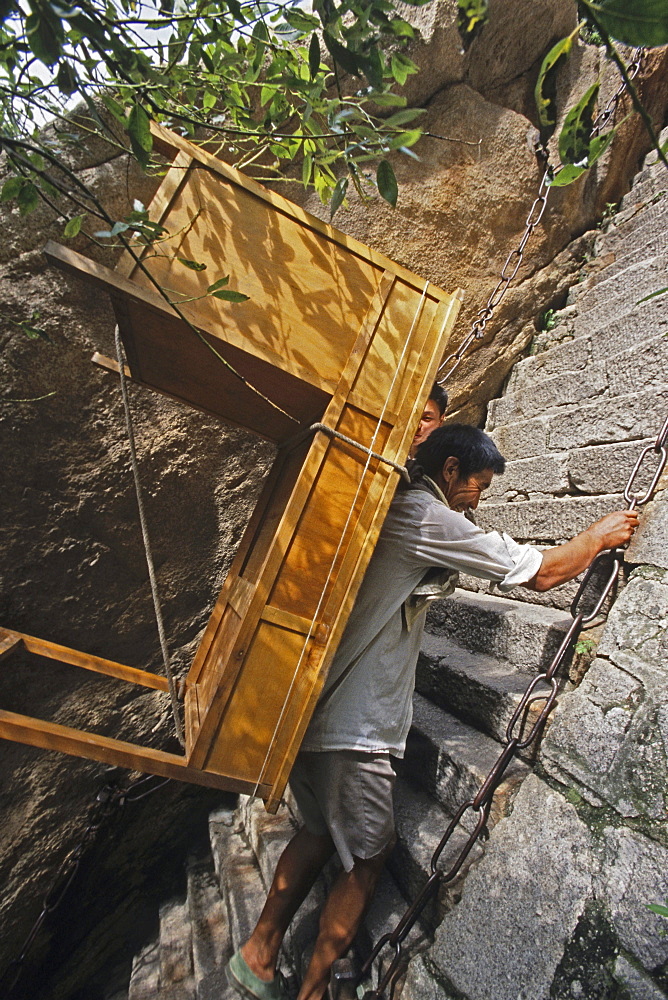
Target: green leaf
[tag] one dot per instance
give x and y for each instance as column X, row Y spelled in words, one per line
column 66, row 78
column 403, row 117
column 399, row 71
column 219, row 284
column 575, row 137
column 598, row 146
column 307, row 167
column 192, row 264
column 346, row 59
column 11, row 188
column 34, row 332
column 139, row 129
column 338, row 195
column 653, row 295
column 635, row 22
column 401, row 28
column 114, row 107
column 314, row 56
column 405, row 139
column 545, row 91
column 657, row 908
column 388, row 100
column 566, row 176
column 73, row 227
column 372, row 65
column 28, row 197
column 45, row 34
column 387, row 182
column 471, row 18
column 231, row 296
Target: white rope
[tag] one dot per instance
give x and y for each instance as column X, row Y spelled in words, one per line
column 341, row 539
column 145, row 537
column 401, row 469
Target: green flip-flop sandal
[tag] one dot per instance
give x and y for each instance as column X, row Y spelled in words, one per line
column 240, row 977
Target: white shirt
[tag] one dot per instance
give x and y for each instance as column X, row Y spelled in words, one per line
column 372, row 707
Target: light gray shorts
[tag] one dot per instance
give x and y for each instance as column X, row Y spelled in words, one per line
column 348, row 795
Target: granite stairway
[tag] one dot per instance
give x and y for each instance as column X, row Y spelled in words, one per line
column 447, row 757
column 571, row 422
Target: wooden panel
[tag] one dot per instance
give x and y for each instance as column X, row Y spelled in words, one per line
column 277, row 662
column 169, row 144
column 313, row 556
column 278, row 616
column 63, row 654
column 276, row 476
column 52, row 736
column 166, row 355
column 9, row 641
column 308, row 295
column 222, row 665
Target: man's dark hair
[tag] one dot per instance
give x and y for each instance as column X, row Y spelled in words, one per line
column 474, row 449
column 440, row 397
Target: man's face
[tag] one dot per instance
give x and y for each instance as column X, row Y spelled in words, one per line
column 464, row 494
column 431, row 419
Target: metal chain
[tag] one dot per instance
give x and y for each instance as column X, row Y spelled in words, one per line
column 108, row 801
column 515, row 257
column 604, row 116
column 543, row 688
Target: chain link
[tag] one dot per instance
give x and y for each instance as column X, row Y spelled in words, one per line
column 514, row 742
column 515, row 258
column 108, row 801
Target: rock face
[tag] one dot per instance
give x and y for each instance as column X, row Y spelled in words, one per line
column 73, row 570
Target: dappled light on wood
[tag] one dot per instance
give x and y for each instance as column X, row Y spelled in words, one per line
column 331, row 333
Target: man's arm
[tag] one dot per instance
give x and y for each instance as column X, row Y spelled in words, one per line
column 564, row 562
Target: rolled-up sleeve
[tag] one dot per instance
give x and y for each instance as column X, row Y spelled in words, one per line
column 447, row 538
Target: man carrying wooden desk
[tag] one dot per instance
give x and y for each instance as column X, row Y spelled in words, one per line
column 343, row 777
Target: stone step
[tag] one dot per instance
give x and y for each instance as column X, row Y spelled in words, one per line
column 613, row 297
column 634, row 231
column 642, row 323
column 420, row 824
column 524, row 635
column 450, row 760
column 603, row 468
column 642, row 367
column 176, row 957
column 239, row 875
column 649, row 186
column 211, row 944
column 479, row 689
column 267, row 836
column 643, row 242
column 568, row 356
column 560, row 598
column 627, row 417
column 547, row 521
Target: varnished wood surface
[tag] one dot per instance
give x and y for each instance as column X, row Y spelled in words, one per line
column 333, row 332
column 92, row 746
column 41, row 647
column 169, row 143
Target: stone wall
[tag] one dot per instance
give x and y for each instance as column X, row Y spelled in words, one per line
column 72, row 569
column 558, row 907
